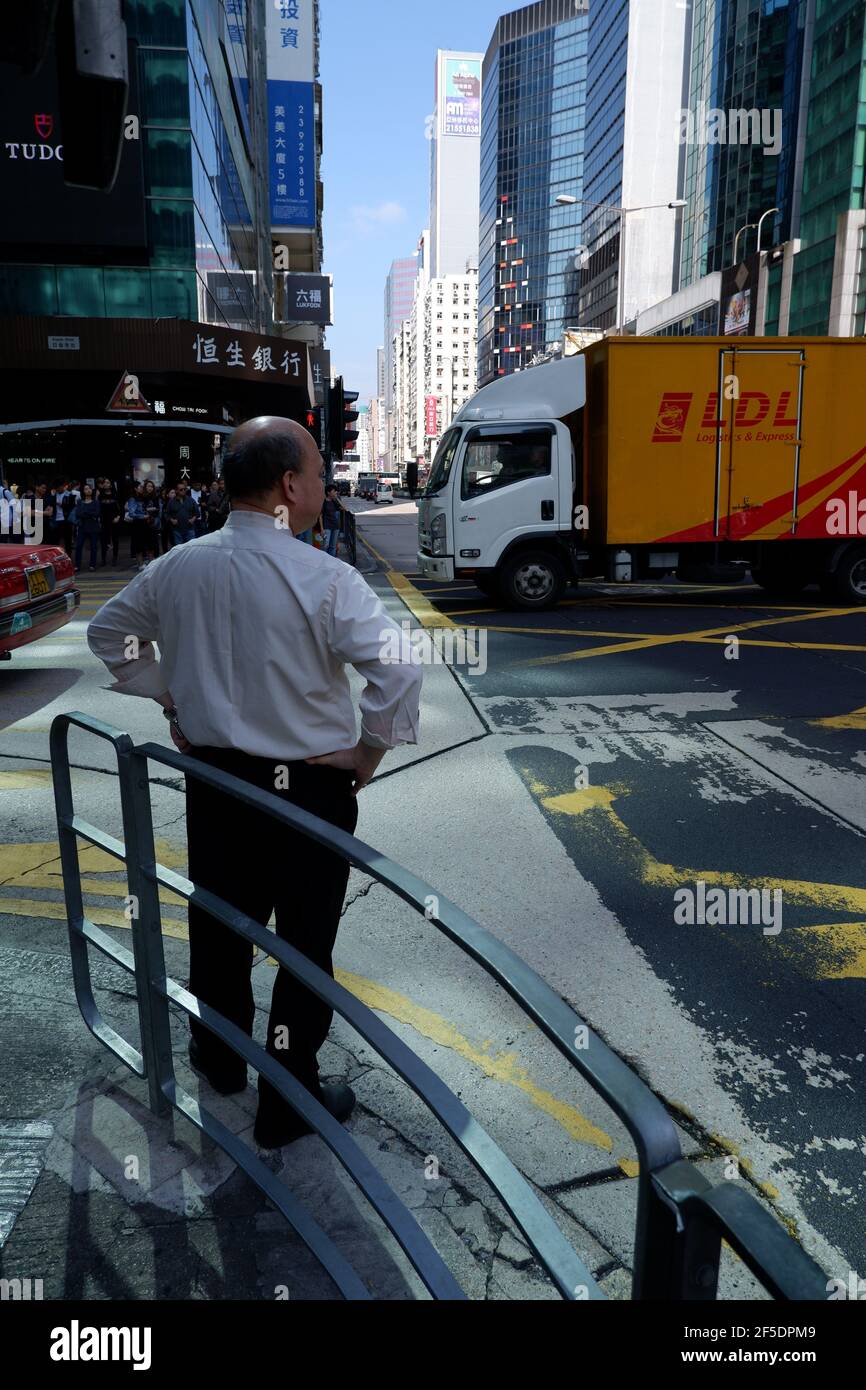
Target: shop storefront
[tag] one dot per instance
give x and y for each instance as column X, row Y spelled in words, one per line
column 135, row 399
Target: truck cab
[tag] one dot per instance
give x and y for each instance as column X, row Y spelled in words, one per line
column 498, row 506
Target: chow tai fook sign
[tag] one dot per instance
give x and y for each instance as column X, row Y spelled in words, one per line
column 291, row 62
column 143, row 346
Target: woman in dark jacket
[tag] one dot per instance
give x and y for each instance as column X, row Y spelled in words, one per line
column 109, row 523
column 152, row 512
column 86, row 517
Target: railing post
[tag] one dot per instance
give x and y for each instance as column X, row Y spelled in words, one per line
column 677, row 1252
column 153, row 1013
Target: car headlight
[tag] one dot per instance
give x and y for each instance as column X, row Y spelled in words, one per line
column 439, row 535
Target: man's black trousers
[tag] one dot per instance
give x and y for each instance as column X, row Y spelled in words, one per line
column 261, row 867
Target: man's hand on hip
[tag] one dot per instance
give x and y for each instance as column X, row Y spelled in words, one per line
column 362, row 760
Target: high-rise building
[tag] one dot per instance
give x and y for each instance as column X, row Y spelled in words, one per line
column 450, row 327
column 633, row 156
column 792, row 76
column 745, row 59
column 380, row 372
column 363, row 445
column 828, row 275
column 399, row 297
column 455, row 146
column 149, row 307
column 531, row 150
column 294, row 154
column 184, row 231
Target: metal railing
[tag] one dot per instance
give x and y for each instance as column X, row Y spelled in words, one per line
column 349, row 535
column 681, row 1217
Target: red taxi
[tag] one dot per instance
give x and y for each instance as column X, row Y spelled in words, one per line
column 37, row 594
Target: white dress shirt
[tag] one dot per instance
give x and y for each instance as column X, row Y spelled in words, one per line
column 254, row 629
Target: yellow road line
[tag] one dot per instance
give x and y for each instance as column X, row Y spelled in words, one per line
column 671, row 639
column 99, row 916
column 835, row 897
column 24, row 779
column 503, row 1066
column 419, row 606
column 855, row 720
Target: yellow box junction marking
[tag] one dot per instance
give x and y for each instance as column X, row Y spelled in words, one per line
column 838, row 950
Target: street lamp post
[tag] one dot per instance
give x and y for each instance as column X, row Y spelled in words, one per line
column 747, row 228
column 568, row 200
column 768, row 213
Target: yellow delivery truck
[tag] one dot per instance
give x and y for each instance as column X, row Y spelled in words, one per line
column 706, row 457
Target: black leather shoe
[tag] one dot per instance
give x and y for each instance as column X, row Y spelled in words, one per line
column 228, row 1081
column 272, row 1132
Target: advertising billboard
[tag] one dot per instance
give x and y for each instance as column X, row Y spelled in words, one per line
column 430, row 417
column 460, row 99
column 739, row 298
column 37, row 209
column 291, row 118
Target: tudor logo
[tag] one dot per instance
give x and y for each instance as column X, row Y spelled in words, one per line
column 43, row 122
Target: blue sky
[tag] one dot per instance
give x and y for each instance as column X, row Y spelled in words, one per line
column 377, row 72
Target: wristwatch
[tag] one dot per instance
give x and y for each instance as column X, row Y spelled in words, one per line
column 172, row 717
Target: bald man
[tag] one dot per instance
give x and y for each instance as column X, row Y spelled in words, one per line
column 254, row 630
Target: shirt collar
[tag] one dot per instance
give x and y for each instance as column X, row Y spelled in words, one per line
column 262, row 524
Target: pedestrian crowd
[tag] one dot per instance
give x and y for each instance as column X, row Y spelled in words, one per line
column 82, row 518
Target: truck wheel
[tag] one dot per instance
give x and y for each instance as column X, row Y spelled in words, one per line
column 533, row 580
column 849, row 579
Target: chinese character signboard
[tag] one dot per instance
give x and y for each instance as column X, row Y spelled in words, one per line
column 430, row 417
column 460, row 98
column 291, row 118
column 308, row 298
column 320, row 364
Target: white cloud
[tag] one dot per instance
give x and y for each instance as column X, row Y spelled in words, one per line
column 363, row 220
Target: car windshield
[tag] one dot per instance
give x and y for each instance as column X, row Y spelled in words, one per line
column 442, row 463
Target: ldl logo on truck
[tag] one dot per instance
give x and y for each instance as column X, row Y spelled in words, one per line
column 753, row 408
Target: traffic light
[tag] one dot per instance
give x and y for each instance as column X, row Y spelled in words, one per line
column 313, row 422
column 335, row 418
column 350, row 416
column 342, row 435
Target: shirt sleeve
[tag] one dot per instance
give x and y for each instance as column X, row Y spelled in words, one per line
column 360, row 633
column 130, row 614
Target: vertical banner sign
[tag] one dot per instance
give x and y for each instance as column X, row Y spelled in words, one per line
column 739, row 298
column 291, row 119
column 430, row 421
column 461, row 104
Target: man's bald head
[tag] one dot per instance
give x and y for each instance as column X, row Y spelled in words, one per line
column 261, row 451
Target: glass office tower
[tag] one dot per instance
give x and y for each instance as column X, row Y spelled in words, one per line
column 532, row 124
column 606, row 77
column 744, row 56
column 202, row 252
column 833, row 167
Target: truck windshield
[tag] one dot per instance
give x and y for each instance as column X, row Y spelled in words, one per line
column 442, row 463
